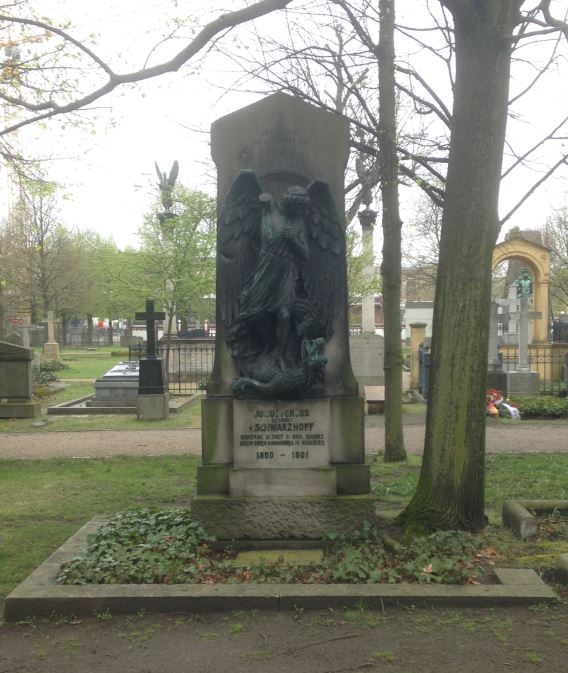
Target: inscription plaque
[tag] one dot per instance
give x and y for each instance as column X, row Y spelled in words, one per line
column 281, row 434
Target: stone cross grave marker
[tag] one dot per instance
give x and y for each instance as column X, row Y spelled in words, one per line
column 150, row 316
column 153, row 396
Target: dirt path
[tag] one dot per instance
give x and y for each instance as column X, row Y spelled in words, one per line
column 551, row 436
column 519, row 640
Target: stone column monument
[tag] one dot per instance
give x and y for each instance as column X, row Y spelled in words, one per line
column 496, row 378
column 51, row 347
column 166, row 184
column 523, row 381
column 282, row 424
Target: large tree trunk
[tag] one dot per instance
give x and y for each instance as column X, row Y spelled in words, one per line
column 450, row 492
column 390, row 267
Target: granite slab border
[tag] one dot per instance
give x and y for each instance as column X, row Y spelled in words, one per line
column 517, row 514
column 70, row 408
column 40, row 595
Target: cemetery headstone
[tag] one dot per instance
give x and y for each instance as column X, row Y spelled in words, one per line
column 282, row 424
column 16, row 384
column 51, row 347
column 153, row 396
column 496, row 377
column 118, row 387
column 367, row 353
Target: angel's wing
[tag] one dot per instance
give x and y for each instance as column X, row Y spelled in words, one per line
column 239, row 240
column 173, row 174
column 324, row 275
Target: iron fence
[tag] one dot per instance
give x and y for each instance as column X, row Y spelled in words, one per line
column 79, row 336
column 559, row 332
column 552, row 368
column 189, row 363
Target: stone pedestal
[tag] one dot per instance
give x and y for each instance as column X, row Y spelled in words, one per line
column 282, row 518
column 523, row 383
column 16, row 382
column 153, row 407
column 367, row 359
column 498, row 380
column 417, row 336
column 300, row 460
column 51, row 350
column 20, row 409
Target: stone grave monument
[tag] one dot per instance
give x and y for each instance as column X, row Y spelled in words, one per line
column 523, row 381
column 282, row 423
column 118, row 387
column 496, row 377
column 51, row 347
column 16, row 382
column 153, row 395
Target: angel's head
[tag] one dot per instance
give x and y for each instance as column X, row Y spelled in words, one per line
column 295, row 201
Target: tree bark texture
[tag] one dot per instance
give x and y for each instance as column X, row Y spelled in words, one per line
column 390, row 267
column 450, row 492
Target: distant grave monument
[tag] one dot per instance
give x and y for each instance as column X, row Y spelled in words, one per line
column 153, row 395
column 16, row 382
column 524, row 381
column 282, row 424
column 367, row 350
column 496, row 377
column 51, row 347
column 118, row 387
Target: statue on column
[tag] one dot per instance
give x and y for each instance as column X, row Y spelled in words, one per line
column 166, row 184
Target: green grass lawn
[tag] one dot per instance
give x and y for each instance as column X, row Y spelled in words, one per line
column 85, row 367
column 42, row 502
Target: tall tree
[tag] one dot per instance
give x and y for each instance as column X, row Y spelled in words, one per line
column 450, row 491
column 178, row 254
column 392, row 226
column 555, row 236
column 44, row 268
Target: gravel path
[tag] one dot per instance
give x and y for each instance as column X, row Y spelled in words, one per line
column 531, row 437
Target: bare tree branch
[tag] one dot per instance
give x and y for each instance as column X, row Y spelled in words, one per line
column 222, row 24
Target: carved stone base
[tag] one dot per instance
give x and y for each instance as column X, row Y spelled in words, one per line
column 286, row 518
column 153, row 407
column 523, row 383
column 21, row 409
column 51, row 350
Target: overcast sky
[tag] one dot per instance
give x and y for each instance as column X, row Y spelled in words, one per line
column 108, row 171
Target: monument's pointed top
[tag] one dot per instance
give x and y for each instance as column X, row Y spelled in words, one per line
column 282, row 102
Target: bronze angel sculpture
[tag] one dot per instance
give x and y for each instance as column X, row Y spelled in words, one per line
column 282, row 268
